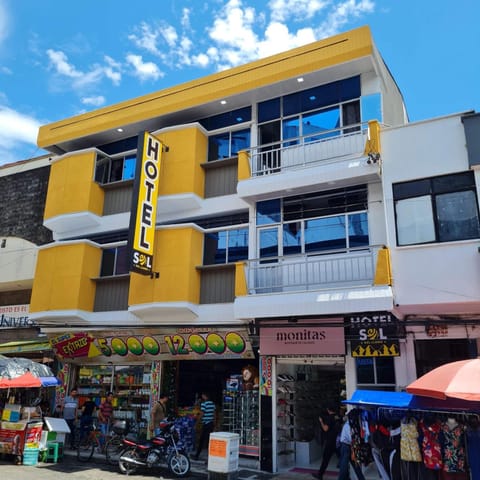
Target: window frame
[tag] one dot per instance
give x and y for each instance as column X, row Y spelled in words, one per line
column 272, row 219
column 431, row 189
column 230, row 132
column 227, row 231
column 375, row 372
column 108, row 163
column 117, row 248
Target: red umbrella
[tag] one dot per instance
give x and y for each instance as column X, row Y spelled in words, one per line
column 26, row 380
column 452, row 380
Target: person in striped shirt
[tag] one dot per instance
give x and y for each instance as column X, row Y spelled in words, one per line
column 207, row 419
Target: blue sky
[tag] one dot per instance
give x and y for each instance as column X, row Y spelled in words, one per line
column 60, row 58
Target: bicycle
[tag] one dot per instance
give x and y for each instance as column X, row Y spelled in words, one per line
column 111, row 446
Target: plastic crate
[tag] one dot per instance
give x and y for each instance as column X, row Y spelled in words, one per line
column 30, row 456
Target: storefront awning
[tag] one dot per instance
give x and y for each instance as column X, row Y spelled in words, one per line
column 25, row 346
column 407, row 401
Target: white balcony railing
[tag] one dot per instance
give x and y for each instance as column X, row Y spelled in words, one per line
column 295, row 273
column 303, row 151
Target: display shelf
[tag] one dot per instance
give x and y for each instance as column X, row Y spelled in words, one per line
column 241, row 415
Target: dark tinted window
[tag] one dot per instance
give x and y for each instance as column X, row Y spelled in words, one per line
column 227, row 119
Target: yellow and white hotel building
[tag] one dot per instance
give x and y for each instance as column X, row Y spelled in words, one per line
column 267, row 241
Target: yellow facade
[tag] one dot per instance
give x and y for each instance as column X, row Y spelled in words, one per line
column 71, row 188
column 177, row 254
column 63, row 278
column 335, row 50
column 181, row 169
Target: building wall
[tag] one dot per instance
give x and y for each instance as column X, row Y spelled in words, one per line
column 23, row 200
column 438, row 277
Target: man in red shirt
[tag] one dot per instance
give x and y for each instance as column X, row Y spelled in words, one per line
column 105, row 414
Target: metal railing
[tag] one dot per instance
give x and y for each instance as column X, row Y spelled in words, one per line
column 302, row 151
column 320, row 271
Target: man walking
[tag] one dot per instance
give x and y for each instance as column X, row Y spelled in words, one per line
column 207, row 417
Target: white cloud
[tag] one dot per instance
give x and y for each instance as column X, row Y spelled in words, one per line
column 96, row 101
column 144, row 70
column 83, row 80
column 283, row 10
column 342, row 13
column 16, row 131
column 146, row 38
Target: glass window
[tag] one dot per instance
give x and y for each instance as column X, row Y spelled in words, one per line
column 268, row 212
column 237, row 244
column 415, row 221
column 268, row 241
column 358, row 230
column 291, row 129
column 321, row 121
column 439, row 209
column 215, row 251
column 225, row 246
column 375, row 370
column 219, row 146
column 269, row 110
column 227, row 119
column 114, row 261
column 325, row 234
column 371, row 106
column 457, row 216
column 129, row 167
column 292, row 238
column 109, row 170
column 240, row 140
column 228, row 144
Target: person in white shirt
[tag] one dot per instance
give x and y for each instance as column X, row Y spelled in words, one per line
column 346, row 455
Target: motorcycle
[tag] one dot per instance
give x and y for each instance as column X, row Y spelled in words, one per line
column 160, row 450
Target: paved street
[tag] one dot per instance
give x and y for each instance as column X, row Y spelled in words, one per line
column 97, row 469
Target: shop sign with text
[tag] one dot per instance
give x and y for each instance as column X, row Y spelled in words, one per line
column 15, row 316
column 302, row 340
column 373, row 334
column 144, row 204
column 185, row 343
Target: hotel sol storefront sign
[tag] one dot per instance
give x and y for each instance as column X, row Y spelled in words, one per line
column 373, row 334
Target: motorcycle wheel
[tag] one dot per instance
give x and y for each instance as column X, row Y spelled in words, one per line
column 178, row 464
column 127, row 467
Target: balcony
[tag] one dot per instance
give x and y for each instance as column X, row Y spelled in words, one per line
column 302, row 152
column 304, row 164
column 300, row 273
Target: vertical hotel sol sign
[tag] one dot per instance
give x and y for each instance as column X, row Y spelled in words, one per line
column 144, row 204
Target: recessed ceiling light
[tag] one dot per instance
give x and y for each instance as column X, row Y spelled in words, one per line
column 120, row 130
column 300, row 79
column 223, row 102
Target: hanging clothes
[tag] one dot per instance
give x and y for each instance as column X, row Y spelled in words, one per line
column 472, row 434
column 453, row 447
column 409, row 446
column 431, row 447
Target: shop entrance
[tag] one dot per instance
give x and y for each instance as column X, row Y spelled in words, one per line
column 303, row 393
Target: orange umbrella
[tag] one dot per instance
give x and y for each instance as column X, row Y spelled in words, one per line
column 452, row 380
column 26, row 380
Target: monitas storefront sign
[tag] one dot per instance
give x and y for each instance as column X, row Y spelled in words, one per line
column 302, row 340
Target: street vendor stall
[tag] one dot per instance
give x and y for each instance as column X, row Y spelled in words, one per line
column 411, row 436
column 21, row 417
